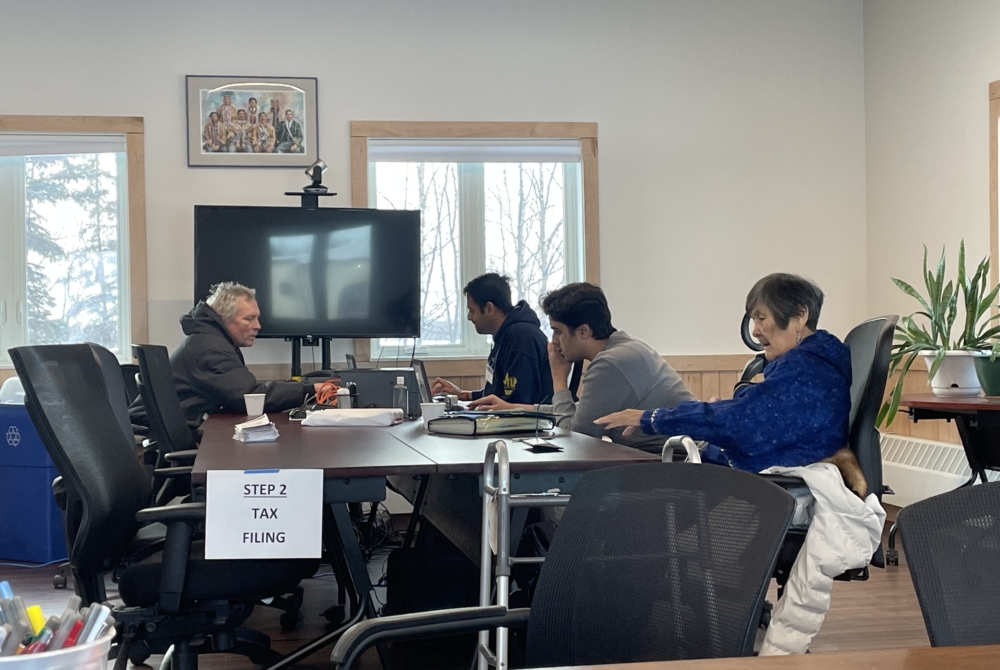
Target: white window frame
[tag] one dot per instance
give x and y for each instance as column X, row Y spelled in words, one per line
column 582, row 250
column 132, row 243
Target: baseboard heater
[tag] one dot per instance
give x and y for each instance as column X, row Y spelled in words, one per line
column 917, row 469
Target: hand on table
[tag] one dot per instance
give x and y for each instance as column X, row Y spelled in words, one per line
column 630, row 419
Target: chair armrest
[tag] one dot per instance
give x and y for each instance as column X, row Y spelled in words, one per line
column 180, row 521
column 59, row 493
column 360, row 636
column 183, row 512
column 171, row 473
column 785, row 481
column 185, row 455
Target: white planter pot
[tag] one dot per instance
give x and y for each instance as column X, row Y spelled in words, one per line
column 957, row 375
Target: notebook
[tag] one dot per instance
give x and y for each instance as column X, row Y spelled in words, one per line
column 491, row 423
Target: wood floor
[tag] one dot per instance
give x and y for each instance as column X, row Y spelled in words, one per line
column 877, row 614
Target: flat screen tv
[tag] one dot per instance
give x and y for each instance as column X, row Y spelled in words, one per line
column 326, row 272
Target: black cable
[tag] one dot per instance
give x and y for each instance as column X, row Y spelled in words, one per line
column 413, row 352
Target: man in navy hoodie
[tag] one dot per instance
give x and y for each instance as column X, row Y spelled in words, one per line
column 517, row 369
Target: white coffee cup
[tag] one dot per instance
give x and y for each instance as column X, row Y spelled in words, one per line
column 432, row 410
column 255, row 403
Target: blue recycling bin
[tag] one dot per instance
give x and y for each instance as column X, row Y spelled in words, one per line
column 31, row 528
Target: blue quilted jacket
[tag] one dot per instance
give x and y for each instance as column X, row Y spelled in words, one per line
column 798, row 415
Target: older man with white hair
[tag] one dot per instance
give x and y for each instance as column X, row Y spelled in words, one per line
column 209, row 371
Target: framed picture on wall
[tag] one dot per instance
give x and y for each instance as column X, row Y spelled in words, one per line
column 251, row 121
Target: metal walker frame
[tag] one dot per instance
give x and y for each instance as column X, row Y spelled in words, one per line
column 497, row 505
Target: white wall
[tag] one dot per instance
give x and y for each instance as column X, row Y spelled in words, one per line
column 928, row 65
column 731, row 134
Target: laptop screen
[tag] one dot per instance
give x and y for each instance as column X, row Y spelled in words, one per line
column 422, row 384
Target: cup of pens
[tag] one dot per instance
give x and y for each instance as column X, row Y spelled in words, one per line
column 78, row 638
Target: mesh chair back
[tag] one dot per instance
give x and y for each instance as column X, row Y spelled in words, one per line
column 658, row 562
column 159, row 397
column 871, row 346
column 953, row 552
column 129, row 372
column 114, row 386
column 83, row 438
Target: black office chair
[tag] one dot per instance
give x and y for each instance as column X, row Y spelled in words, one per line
column 112, row 382
column 114, row 387
column 173, row 440
column 657, row 561
column 175, row 600
column 129, row 372
column 871, row 346
column 953, row 553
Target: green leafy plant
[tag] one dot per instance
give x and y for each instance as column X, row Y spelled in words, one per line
column 930, row 328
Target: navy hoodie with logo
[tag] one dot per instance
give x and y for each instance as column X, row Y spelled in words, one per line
column 519, row 360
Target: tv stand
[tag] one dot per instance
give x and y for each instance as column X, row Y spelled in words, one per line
column 297, row 342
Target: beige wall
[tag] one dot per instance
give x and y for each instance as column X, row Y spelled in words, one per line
column 731, row 134
column 928, row 65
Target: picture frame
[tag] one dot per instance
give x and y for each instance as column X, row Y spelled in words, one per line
column 224, row 128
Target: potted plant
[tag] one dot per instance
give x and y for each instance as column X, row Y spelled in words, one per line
column 928, row 332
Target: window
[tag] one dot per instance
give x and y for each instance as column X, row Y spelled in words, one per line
column 512, row 205
column 65, row 261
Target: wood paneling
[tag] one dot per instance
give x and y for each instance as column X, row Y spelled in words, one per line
column 994, row 157
column 359, row 177
column 139, row 307
column 591, row 210
column 70, row 124
column 472, row 129
column 943, row 431
column 706, row 362
column 705, row 376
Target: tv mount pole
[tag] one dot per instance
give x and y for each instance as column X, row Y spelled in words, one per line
column 310, row 196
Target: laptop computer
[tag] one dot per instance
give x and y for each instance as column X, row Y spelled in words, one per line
column 423, row 385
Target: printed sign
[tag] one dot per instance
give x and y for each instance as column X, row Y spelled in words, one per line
column 264, row 514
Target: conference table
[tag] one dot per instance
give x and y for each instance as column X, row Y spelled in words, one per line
column 356, row 461
column 925, row 658
column 977, row 420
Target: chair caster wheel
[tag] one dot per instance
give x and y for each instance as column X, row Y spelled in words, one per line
column 59, row 582
column 335, row 614
column 891, row 557
column 289, row 620
column 138, row 654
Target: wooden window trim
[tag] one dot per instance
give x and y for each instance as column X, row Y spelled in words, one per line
column 132, row 128
column 994, row 233
column 362, row 131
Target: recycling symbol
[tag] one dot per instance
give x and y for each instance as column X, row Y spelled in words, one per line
column 13, row 436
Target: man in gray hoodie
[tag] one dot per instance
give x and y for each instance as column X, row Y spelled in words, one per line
column 624, row 373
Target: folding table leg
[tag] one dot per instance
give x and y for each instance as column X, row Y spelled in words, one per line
column 340, row 531
column 418, row 502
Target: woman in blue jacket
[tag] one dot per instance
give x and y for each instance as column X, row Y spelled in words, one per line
column 796, row 416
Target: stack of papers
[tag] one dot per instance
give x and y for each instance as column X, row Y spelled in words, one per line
column 256, row 430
